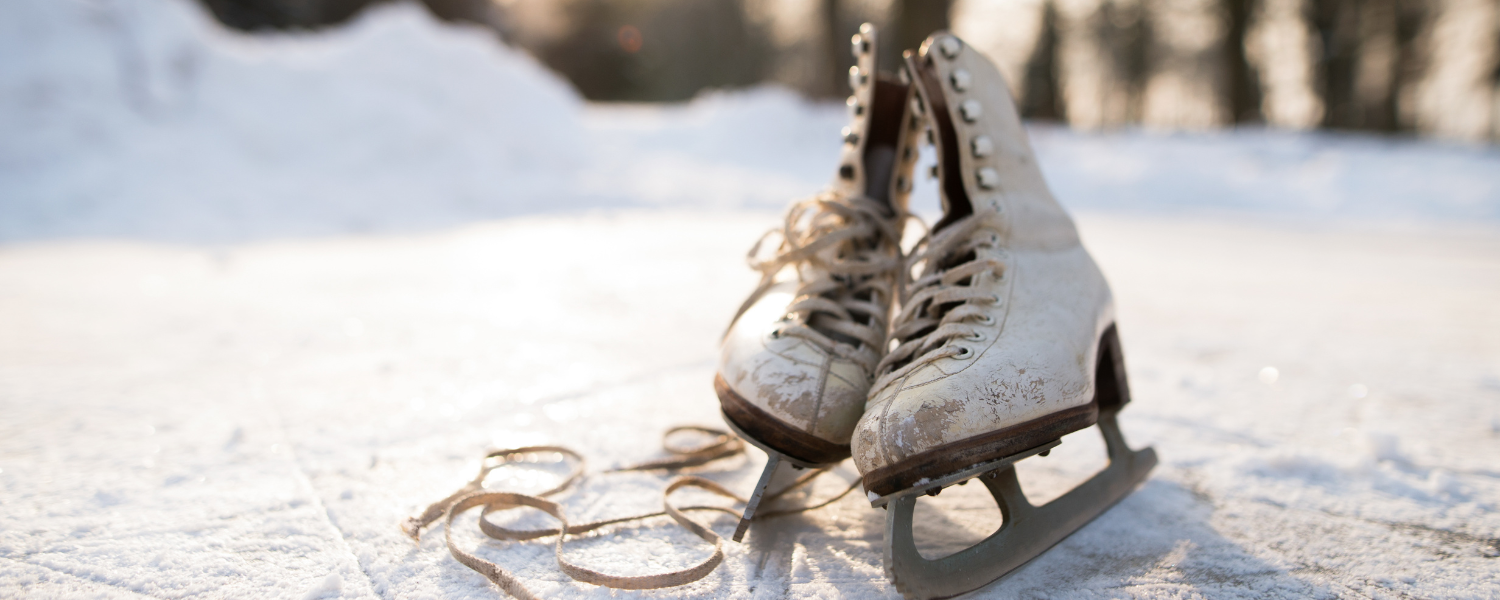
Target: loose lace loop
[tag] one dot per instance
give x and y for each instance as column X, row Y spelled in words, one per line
column 846, row 253
column 721, row 444
column 413, row 526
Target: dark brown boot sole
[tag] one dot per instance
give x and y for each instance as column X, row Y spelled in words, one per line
column 770, row 432
column 956, row 456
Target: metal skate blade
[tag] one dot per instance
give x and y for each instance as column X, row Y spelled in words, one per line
column 964, row 475
column 779, row 474
column 1027, row 530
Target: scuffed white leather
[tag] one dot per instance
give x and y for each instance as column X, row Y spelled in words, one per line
column 1038, row 354
column 790, row 378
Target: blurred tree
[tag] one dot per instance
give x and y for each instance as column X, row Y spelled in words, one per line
column 282, row 14
column 1371, row 100
column 1021, row 37
column 1336, row 25
column 1453, row 96
column 485, row 12
column 640, row 50
column 1101, row 61
column 586, row 48
column 679, row 46
column 1431, row 66
column 794, row 32
column 912, row 21
column 811, row 38
column 1245, row 91
column 1010, row 33
column 1186, row 84
column 1283, row 45
column 1043, row 98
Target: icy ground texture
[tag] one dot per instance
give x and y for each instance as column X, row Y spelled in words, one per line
column 257, row 419
column 210, row 389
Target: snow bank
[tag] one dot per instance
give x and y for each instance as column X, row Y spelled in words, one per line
column 146, row 118
column 1319, row 176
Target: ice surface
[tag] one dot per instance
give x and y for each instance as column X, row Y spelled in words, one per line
column 211, row 387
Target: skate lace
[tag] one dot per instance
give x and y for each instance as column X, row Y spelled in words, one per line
column 845, row 252
column 941, row 304
column 720, row 445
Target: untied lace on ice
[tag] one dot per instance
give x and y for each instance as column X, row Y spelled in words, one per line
column 472, row 495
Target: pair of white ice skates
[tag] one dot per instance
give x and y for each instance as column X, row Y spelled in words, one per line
column 987, row 344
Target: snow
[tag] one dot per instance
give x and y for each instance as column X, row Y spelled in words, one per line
column 263, row 298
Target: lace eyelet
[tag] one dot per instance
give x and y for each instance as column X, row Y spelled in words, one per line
column 963, row 352
column 986, row 320
column 994, row 299
column 977, row 336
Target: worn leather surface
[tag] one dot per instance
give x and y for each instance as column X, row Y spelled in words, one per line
column 1036, row 354
column 790, row 378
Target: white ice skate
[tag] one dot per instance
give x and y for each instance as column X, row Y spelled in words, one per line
column 1006, row 343
column 799, row 357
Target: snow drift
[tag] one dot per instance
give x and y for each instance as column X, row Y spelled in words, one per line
column 148, row 118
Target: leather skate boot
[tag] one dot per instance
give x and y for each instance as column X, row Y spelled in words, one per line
column 798, row 359
column 1005, row 341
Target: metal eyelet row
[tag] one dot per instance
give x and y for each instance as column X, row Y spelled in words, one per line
column 861, row 46
column 950, row 47
column 960, row 79
column 858, row 78
column 909, row 153
column 860, row 43
column 850, row 136
column 970, row 111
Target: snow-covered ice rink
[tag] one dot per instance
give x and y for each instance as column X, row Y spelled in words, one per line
column 261, row 299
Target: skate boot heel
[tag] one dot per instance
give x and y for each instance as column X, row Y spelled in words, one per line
column 1026, row 533
column 1027, row 530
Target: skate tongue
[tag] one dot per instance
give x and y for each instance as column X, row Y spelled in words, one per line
column 888, row 107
